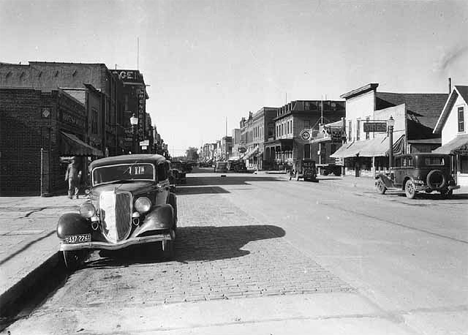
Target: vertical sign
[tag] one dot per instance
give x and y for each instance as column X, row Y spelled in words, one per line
column 141, row 113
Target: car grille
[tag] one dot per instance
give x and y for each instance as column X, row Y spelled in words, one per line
column 116, row 215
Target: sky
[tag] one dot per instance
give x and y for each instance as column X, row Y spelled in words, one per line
column 208, row 63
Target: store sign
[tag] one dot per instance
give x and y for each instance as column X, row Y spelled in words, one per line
column 375, row 127
column 128, row 75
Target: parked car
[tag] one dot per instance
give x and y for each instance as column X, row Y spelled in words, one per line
column 178, row 174
column 419, row 172
column 306, row 170
column 237, row 166
column 131, row 202
column 221, row 167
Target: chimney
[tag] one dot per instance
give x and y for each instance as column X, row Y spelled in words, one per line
column 450, row 85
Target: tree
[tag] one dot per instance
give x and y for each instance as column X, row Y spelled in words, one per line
column 192, row 154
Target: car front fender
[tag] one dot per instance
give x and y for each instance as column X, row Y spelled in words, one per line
column 386, row 180
column 72, row 224
column 161, row 218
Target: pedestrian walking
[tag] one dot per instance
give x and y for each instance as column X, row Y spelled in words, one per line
column 73, row 176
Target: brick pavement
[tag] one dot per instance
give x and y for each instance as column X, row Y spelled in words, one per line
column 221, row 252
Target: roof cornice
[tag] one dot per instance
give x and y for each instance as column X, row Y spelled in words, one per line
column 360, row 90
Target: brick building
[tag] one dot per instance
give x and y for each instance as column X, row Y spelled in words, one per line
column 36, row 129
column 95, row 125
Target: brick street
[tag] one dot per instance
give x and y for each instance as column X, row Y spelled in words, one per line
column 221, row 253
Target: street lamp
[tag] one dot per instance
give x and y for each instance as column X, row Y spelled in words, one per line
column 134, row 123
column 390, row 124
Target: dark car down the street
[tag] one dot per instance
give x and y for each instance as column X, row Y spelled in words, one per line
column 178, row 174
column 131, row 202
column 419, row 172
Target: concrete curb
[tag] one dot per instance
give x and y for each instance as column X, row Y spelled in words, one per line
column 10, row 301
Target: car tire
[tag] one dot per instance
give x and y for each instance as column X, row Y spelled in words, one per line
column 380, row 185
column 410, row 189
column 74, row 259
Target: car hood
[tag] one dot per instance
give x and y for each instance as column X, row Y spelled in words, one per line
column 133, row 187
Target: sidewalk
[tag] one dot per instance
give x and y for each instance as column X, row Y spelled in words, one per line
column 28, row 241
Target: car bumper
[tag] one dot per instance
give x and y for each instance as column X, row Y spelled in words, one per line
column 115, row 246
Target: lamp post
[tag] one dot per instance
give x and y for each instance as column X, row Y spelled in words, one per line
column 390, row 124
column 134, row 123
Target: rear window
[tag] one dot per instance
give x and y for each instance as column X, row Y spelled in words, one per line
column 434, row 161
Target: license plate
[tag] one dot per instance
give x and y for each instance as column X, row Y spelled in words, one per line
column 82, row 238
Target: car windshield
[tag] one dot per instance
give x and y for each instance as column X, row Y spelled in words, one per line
column 176, row 165
column 123, row 173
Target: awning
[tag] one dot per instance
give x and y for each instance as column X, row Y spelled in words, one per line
column 376, row 147
column 457, row 146
column 251, row 153
column 349, row 150
column 73, row 146
column 260, row 152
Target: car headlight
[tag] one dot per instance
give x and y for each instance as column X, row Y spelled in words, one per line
column 143, row 204
column 87, row 210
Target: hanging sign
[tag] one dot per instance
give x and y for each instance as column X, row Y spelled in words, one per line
column 305, row 135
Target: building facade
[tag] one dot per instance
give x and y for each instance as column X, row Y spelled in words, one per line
column 452, row 126
column 367, row 139
column 37, row 130
column 291, row 119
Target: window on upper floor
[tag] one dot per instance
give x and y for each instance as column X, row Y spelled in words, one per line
column 367, row 133
column 350, row 130
column 358, row 130
column 94, row 121
column 461, row 120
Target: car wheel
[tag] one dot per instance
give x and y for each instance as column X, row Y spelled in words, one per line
column 380, row 185
column 410, row 189
column 73, row 259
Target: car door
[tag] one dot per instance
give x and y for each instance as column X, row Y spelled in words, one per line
column 163, row 185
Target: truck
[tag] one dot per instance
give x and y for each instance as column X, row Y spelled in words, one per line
column 306, row 169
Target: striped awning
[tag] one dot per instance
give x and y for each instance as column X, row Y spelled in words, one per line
column 73, row 146
column 376, row 147
column 459, row 145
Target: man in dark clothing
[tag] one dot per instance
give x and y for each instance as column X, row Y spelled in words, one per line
column 73, row 176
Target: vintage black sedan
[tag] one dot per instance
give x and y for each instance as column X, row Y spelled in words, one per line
column 419, row 172
column 131, row 202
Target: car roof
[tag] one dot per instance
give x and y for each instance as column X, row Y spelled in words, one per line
column 132, row 159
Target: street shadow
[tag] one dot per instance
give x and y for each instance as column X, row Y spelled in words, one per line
column 193, row 190
column 231, row 179
column 428, row 196
column 208, row 243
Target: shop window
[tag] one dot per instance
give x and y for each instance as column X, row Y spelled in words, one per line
column 463, row 164
column 307, row 151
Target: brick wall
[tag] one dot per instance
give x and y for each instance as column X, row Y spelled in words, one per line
column 24, row 130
